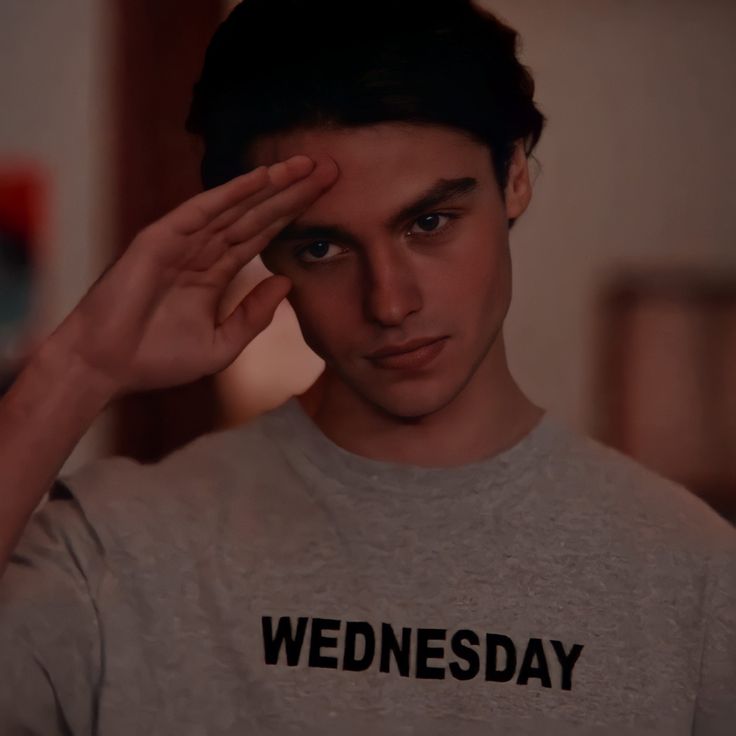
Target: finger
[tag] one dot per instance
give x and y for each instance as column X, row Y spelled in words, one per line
column 235, row 257
column 199, row 211
column 280, row 175
column 250, row 318
column 238, row 256
column 282, row 207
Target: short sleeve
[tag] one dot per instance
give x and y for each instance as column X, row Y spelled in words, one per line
column 715, row 712
column 49, row 632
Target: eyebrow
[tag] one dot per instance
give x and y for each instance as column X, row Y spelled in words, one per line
column 439, row 193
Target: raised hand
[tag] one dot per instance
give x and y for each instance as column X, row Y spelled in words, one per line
column 151, row 320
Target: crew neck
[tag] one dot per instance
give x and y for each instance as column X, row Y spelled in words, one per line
column 304, row 443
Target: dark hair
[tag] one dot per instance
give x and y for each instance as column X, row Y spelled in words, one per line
column 277, row 65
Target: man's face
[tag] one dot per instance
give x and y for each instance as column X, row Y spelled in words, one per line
column 401, row 271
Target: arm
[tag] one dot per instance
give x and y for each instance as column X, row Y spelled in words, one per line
column 51, row 647
column 42, row 417
column 151, row 321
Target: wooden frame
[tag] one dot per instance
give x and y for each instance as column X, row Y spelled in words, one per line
column 158, row 51
column 666, row 377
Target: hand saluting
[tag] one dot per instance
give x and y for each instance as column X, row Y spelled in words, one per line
column 150, row 321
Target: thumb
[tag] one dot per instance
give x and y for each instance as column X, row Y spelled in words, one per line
column 250, row 318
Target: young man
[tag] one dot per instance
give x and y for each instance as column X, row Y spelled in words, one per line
column 411, row 547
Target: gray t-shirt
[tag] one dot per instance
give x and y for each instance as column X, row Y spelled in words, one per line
column 264, row 581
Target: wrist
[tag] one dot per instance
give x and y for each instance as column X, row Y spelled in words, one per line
column 67, row 378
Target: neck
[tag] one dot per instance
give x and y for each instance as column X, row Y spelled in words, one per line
column 490, row 415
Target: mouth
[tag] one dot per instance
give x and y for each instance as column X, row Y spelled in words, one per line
column 410, row 355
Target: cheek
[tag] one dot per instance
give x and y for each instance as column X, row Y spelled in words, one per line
column 489, row 267
column 479, row 272
column 324, row 313
column 491, row 280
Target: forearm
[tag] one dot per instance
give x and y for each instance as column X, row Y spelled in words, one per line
column 42, row 417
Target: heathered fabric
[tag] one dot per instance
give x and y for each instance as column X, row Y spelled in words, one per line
column 264, row 581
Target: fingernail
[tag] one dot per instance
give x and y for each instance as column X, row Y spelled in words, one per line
column 302, row 160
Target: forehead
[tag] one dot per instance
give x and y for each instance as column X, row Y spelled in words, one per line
column 381, row 166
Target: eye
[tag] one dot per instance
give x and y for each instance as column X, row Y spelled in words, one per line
column 430, row 224
column 320, row 250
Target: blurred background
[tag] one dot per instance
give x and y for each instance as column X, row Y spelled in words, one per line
column 623, row 321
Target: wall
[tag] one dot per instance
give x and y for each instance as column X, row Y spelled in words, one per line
column 52, row 87
column 637, row 168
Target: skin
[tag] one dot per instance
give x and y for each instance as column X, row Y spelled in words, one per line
column 364, row 279
column 150, row 321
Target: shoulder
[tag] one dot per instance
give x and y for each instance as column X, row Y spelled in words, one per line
column 179, row 500
column 600, row 486
column 633, row 531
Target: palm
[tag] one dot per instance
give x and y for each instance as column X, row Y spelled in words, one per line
column 152, row 320
column 180, row 339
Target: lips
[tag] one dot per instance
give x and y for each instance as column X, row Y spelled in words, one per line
column 413, row 354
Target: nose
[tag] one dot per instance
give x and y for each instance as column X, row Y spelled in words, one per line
column 392, row 287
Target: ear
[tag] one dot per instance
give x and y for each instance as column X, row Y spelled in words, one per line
column 518, row 191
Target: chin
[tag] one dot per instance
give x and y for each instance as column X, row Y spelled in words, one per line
column 410, row 402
